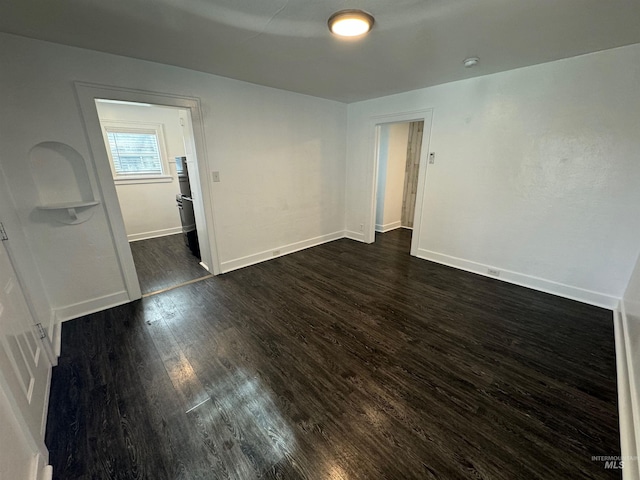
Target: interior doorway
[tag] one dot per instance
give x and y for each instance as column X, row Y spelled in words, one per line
column 146, row 145
column 399, row 146
column 196, row 152
column 399, row 156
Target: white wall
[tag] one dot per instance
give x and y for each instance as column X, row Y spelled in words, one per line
column 149, row 209
column 281, row 158
column 391, row 171
column 536, row 173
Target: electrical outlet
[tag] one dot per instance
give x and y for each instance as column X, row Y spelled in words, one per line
column 432, row 158
column 215, row 176
column 493, row 271
column 276, row 253
column 362, row 227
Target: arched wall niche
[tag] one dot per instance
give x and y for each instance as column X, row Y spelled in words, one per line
column 62, row 180
column 60, row 174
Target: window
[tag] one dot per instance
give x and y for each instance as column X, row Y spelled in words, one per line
column 136, row 152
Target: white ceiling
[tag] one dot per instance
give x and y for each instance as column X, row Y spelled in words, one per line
column 286, row 43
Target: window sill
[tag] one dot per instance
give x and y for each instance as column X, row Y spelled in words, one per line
column 132, row 180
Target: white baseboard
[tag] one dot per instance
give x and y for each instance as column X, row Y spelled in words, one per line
column 357, row 236
column 134, row 237
column 567, row 291
column 626, row 330
column 241, row 262
column 91, row 306
column 387, row 227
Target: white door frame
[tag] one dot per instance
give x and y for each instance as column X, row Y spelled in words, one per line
column 375, row 122
column 87, row 93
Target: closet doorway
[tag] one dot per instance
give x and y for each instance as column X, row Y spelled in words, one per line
column 398, row 157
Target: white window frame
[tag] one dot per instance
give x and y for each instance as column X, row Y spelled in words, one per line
column 157, row 129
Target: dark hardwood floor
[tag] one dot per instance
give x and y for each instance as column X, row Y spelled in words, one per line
column 343, row 361
column 164, row 262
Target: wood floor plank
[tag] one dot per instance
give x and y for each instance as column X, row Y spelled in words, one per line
column 344, row 361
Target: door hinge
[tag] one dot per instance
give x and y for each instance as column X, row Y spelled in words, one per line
column 41, row 331
column 3, row 233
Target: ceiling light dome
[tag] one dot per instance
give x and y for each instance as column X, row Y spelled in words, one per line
column 350, row 23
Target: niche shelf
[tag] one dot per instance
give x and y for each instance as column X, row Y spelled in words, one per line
column 62, row 181
column 74, row 211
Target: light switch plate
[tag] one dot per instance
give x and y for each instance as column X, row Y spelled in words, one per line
column 215, row 176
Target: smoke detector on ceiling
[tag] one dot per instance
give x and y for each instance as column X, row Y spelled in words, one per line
column 470, row 62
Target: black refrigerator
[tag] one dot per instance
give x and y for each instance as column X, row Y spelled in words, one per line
column 184, row 201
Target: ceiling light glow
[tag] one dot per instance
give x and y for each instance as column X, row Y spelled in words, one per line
column 350, row 23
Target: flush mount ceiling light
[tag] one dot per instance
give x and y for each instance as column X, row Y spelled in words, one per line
column 471, row 62
column 350, row 23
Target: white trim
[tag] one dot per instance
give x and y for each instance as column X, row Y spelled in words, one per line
column 241, row 262
column 387, row 227
column 567, row 291
column 134, row 237
column 47, row 395
column 91, row 306
column 195, row 151
column 628, row 401
column 140, row 180
column 46, row 473
column 357, row 236
column 39, row 468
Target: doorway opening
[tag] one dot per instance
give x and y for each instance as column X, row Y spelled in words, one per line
column 148, row 147
column 398, row 156
column 379, row 127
